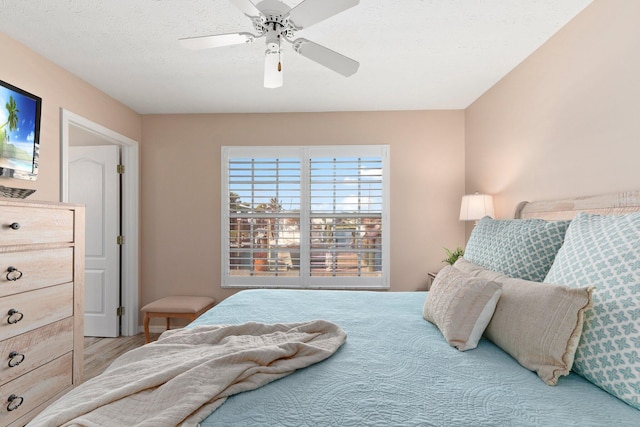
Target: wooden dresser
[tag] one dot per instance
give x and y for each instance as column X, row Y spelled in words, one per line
column 41, row 305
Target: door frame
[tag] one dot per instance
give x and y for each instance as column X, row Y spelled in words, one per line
column 130, row 207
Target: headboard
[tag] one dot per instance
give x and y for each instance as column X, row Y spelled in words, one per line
column 563, row 209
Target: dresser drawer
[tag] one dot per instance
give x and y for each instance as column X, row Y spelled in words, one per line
column 34, row 309
column 28, row 225
column 35, row 387
column 28, row 351
column 35, row 269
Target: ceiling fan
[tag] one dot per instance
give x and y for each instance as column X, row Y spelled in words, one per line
column 277, row 22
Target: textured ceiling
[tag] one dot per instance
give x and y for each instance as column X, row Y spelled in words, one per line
column 413, row 54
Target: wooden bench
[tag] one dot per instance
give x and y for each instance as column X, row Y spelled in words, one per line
column 184, row 307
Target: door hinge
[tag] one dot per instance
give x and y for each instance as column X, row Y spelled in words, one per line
column 120, row 169
column 120, row 311
column 120, row 240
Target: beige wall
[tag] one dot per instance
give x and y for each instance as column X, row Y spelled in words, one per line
column 563, row 123
column 181, row 187
column 58, row 89
column 180, row 173
column 566, row 122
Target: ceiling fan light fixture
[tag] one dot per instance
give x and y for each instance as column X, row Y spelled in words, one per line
column 273, row 76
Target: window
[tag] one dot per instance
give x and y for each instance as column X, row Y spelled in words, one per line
column 308, row 217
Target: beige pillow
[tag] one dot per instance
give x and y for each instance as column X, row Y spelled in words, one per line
column 460, row 306
column 539, row 324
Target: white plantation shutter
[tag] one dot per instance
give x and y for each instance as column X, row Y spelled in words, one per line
column 305, row 217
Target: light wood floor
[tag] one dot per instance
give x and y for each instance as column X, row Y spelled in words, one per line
column 100, row 352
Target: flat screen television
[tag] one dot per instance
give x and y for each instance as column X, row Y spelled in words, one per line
column 19, row 132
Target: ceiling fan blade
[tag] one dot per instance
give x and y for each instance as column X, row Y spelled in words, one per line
column 247, row 7
column 272, row 69
column 311, row 12
column 327, row 57
column 206, row 42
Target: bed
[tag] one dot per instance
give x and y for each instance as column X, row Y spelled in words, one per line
column 397, row 369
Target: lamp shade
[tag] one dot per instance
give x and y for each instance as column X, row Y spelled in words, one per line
column 476, row 206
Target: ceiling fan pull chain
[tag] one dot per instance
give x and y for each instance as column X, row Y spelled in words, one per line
column 279, row 56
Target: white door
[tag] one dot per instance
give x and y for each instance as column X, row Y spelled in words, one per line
column 95, row 182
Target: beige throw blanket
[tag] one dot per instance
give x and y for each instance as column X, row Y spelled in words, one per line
column 188, row 373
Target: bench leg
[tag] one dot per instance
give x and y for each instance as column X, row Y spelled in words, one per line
column 146, row 328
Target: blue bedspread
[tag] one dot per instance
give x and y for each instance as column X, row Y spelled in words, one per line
column 396, row 370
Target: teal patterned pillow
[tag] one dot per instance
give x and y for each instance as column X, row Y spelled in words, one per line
column 604, row 251
column 519, row 248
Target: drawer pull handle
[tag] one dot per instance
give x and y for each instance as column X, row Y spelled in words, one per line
column 18, row 316
column 13, row 274
column 15, row 226
column 14, row 402
column 15, row 359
